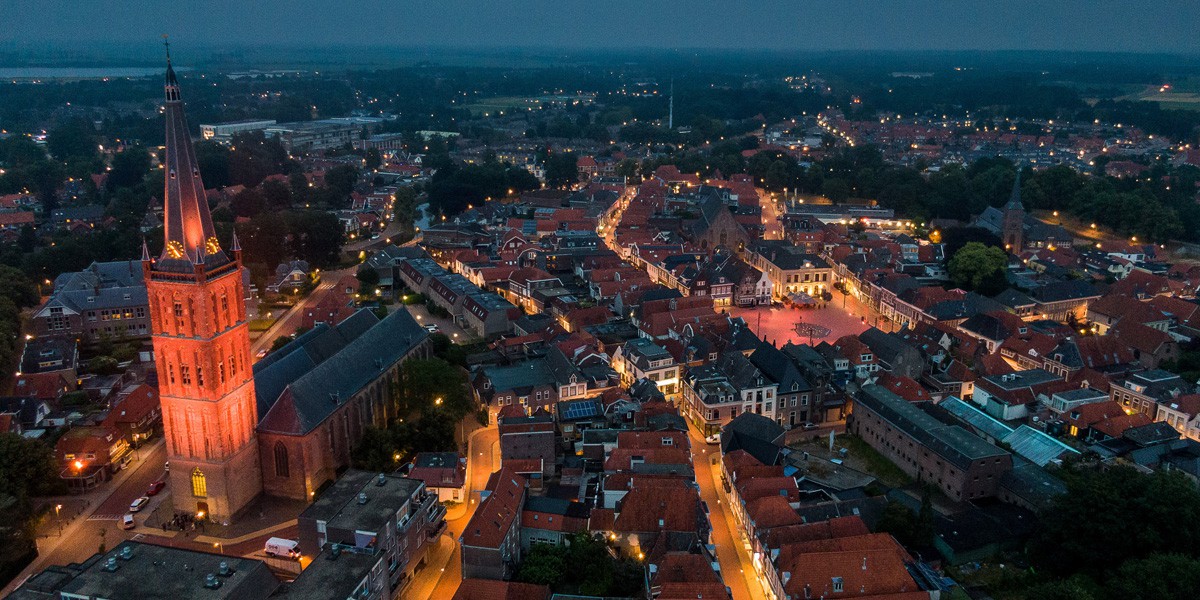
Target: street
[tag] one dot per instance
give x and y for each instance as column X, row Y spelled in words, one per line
column 293, row 317
column 78, row 536
column 736, row 566
column 443, row 571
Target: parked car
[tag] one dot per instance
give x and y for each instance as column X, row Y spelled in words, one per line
column 282, row 548
column 432, row 328
column 127, row 521
column 156, row 487
column 261, row 353
column 713, row 439
column 139, row 504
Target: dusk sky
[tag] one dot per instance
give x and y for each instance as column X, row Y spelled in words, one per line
column 1091, row 25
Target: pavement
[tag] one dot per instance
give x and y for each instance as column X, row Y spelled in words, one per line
column 446, row 325
column 779, row 324
column 87, row 520
column 728, row 537
column 443, row 571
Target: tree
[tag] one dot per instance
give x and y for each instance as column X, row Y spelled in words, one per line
column 976, row 265
column 543, row 565
column 1156, row 577
column 129, row 168
column 1111, row 516
column 73, row 139
column 248, row 203
column 342, row 179
column 562, row 169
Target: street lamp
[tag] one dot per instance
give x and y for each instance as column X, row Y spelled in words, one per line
column 57, row 517
column 220, row 548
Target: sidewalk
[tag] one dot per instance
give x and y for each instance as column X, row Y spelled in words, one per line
column 440, row 558
column 72, row 532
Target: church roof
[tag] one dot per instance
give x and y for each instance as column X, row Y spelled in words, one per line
column 189, row 237
column 304, row 382
column 1014, row 199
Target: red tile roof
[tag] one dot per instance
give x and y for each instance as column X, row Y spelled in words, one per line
column 492, row 589
column 497, row 513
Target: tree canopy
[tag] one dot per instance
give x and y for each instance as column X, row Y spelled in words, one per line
column 979, row 268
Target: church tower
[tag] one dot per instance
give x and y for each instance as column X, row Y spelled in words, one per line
column 201, row 341
column 1014, row 219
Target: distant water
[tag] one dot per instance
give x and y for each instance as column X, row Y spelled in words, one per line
column 78, row 72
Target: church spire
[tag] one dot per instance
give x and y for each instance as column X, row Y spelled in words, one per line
column 189, row 237
column 1014, row 199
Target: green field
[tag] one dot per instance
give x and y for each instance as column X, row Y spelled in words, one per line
column 488, row 107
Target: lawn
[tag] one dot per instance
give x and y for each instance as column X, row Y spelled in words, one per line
column 261, row 325
column 873, row 462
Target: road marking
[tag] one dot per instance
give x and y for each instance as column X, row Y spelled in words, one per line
column 97, row 517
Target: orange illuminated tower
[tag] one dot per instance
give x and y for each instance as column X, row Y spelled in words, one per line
column 201, row 342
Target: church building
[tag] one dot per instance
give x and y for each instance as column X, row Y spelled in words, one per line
column 235, row 430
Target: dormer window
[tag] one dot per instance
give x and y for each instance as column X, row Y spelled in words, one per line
column 172, row 173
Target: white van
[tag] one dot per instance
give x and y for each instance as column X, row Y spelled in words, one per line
column 282, row 548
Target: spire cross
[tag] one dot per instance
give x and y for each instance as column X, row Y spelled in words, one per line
column 167, row 45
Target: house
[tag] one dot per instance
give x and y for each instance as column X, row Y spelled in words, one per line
column 1143, row 392
column 444, row 474
column 553, row 521
column 106, row 299
column 290, row 277
column 1008, row 396
column 491, row 541
column 642, row 358
column 893, row 353
column 1182, row 413
column 90, row 455
column 961, row 464
column 136, row 413
column 529, row 438
column 716, row 393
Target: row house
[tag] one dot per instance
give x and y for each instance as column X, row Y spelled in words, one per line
column 490, row 544
column 717, row 393
column 643, row 359
column 486, row 314
column 1144, row 392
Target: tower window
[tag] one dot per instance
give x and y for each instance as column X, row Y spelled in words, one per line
column 185, row 375
column 200, row 376
column 199, row 485
column 220, row 372
column 179, row 315
column 171, row 373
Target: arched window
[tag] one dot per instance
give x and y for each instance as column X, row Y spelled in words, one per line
column 199, row 485
column 281, row 460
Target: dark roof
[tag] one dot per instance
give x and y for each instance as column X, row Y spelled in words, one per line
column 756, row 434
column 955, row 444
column 779, row 368
column 1155, row 433
column 317, row 372
column 1072, row 289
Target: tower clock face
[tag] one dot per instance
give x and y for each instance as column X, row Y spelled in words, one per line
column 211, row 246
column 174, row 249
